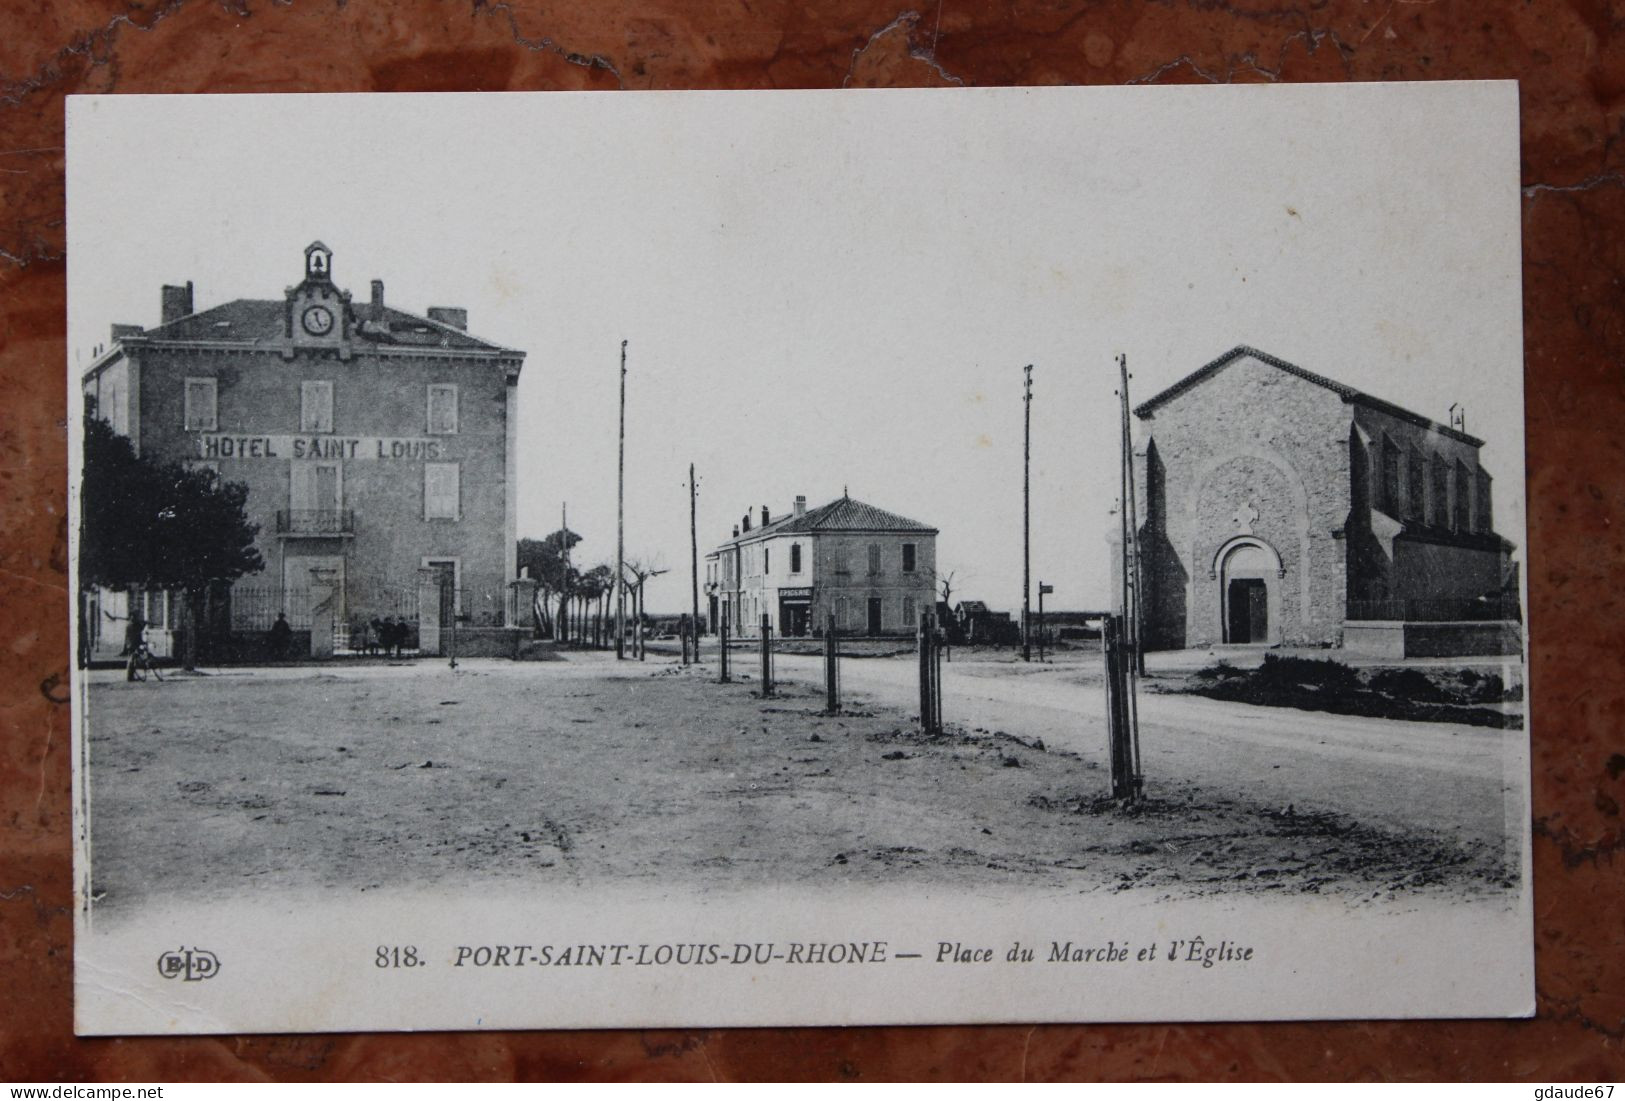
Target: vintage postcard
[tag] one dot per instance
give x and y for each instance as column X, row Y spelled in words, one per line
column 706, row 559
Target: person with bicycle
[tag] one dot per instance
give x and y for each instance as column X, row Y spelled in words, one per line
column 135, row 645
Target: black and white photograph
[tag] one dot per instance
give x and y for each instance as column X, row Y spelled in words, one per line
column 770, row 558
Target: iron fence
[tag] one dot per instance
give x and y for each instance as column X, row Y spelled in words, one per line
column 315, row 521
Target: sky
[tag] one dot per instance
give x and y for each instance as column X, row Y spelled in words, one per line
column 828, row 291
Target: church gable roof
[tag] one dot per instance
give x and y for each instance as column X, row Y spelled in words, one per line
column 1347, row 393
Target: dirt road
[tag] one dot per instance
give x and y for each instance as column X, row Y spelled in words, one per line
column 1436, row 777
column 359, row 777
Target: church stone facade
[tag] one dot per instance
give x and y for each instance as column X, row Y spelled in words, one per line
column 1280, row 507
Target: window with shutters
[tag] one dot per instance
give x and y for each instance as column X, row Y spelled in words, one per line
column 874, row 558
column 841, row 565
column 908, row 557
column 442, row 410
column 201, row 405
column 441, row 491
column 909, row 617
column 315, row 407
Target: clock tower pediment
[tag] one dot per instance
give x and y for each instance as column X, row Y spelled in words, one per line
column 318, row 312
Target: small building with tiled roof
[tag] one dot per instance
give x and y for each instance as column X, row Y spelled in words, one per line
column 376, row 444
column 873, row 570
column 1279, row 506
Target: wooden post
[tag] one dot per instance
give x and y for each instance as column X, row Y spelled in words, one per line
column 832, row 685
column 722, row 638
column 1118, row 660
column 767, row 656
column 930, row 676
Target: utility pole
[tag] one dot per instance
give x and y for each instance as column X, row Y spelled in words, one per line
column 620, row 525
column 694, row 563
column 1131, row 561
column 1026, row 514
column 561, row 630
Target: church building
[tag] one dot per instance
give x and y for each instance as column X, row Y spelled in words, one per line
column 1279, row 507
column 378, row 447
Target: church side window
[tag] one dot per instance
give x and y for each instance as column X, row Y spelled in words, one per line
column 201, row 405
column 441, row 491
column 1441, row 493
column 1416, row 487
column 315, row 407
column 1390, row 477
column 442, row 410
column 1464, row 497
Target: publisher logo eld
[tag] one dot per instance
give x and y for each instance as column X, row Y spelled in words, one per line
column 189, row 964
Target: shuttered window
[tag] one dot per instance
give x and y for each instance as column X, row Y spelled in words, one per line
column 443, row 410
column 315, row 407
column 201, row 407
column 441, row 491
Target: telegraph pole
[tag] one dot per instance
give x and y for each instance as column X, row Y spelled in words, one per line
column 620, row 526
column 1131, row 566
column 1026, row 514
column 562, row 631
column 694, row 563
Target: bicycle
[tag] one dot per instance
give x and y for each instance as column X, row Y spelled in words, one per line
column 142, row 663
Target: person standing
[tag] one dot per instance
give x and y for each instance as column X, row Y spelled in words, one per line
column 135, row 641
column 281, row 635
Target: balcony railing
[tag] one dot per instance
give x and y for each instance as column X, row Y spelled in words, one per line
column 315, row 521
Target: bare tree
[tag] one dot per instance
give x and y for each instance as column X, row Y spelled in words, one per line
column 639, row 571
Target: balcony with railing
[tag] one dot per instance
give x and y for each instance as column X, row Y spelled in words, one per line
column 315, row 522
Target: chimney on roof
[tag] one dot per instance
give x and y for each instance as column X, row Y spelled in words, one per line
column 745, row 525
column 736, row 531
column 455, row 316
column 177, row 302
column 377, row 299
column 766, row 517
column 122, row 331
column 801, row 505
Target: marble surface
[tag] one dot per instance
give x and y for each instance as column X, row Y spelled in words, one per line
column 1569, row 56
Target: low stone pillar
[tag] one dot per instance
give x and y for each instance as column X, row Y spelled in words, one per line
column 521, row 601
column 429, row 611
column 324, row 601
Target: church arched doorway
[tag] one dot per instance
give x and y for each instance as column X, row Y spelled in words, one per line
column 1249, row 577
